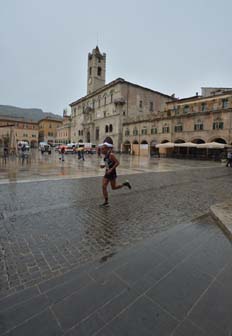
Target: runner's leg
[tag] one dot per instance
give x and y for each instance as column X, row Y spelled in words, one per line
column 114, row 185
column 105, row 182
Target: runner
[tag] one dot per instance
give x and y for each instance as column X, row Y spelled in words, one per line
column 110, row 163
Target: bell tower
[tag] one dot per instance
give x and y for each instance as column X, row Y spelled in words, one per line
column 96, row 76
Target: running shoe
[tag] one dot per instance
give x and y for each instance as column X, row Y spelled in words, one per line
column 127, row 184
column 104, row 205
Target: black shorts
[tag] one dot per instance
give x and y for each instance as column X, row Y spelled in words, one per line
column 111, row 176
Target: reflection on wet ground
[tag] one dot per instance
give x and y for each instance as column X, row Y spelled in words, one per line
column 43, row 167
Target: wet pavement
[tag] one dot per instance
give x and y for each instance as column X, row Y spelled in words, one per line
column 176, row 283
column 153, row 263
column 42, row 167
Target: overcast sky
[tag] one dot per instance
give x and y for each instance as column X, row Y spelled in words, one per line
column 172, row 46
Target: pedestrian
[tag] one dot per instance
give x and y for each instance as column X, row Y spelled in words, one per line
column 62, row 151
column 82, row 154
column 229, row 159
column 5, row 151
column 110, row 163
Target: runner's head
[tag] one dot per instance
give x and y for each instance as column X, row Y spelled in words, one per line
column 106, row 147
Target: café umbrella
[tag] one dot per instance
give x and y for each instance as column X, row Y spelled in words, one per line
column 185, row 144
column 211, row 145
column 166, row 145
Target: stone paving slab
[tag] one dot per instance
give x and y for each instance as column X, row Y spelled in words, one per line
column 47, row 228
column 182, row 299
column 222, row 212
column 59, row 249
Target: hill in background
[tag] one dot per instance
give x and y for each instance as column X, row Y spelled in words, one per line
column 33, row 114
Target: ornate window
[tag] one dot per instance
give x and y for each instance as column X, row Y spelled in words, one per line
column 203, row 107
column 218, row 124
column 127, row 132
column 225, row 103
column 186, row 109
column 178, row 128
column 198, row 126
column 153, row 130
column 144, row 131
column 97, row 133
column 165, row 128
column 135, row 131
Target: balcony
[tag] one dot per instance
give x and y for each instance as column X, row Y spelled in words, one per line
column 119, row 101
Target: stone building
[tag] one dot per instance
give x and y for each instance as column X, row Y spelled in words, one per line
column 48, row 129
column 198, row 119
column 106, row 107
column 13, row 130
column 64, row 131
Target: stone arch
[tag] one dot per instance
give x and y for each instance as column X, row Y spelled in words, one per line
column 153, row 149
column 179, row 141
column 219, row 140
column 153, row 143
column 135, row 142
column 127, row 147
column 109, row 140
column 164, row 141
column 198, row 141
column 99, row 71
column 144, row 142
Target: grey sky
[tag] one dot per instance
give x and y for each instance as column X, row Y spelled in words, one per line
column 172, row 46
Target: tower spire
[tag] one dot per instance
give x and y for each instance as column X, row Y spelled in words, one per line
column 96, row 70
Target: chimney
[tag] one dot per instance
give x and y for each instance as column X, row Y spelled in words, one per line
column 196, row 94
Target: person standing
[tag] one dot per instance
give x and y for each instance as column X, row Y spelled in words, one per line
column 83, row 154
column 62, row 151
column 229, row 159
column 110, row 164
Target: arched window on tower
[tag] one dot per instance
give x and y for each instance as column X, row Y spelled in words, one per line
column 111, row 128
column 111, row 97
column 107, row 129
column 99, row 71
